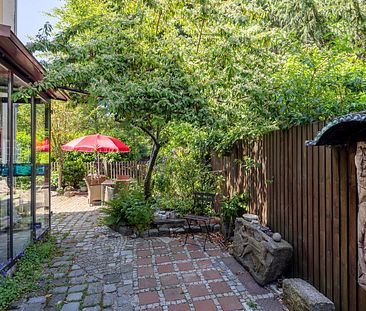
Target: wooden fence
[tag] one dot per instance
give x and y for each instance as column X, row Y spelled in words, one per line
column 309, row 195
column 134, row 169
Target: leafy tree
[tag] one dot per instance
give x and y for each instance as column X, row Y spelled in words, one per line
column 246, row 67
column 123, row 61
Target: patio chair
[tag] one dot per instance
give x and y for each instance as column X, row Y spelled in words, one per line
column 94, row 189
column 201, row 200
column 121, row 185
column 122, row 177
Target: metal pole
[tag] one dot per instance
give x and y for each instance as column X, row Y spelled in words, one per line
column 10, row 163
column 48, row 131
column 33, row 166
column 98, row 159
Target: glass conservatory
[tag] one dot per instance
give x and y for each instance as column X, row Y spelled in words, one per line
column 24, row 151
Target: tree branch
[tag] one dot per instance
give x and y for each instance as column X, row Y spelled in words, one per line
column 155, row 139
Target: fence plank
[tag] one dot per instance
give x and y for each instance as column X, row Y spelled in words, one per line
column 310, row 202
column 336, row 229
column 299, row 200
column 316, row 214
column 309, row 195
column 295, row 202
column 134, row 169
column 328, row 222
column 292, row 233
column 352, row 233
column 304, row 194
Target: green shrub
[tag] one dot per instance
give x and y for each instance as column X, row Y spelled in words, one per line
column 232, row 208
column 54, row 179
column 72, row 173
column 129, row 207
column 235, row 206
column 182, row 206
column 28, row 272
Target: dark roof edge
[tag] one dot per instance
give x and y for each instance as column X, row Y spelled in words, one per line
column 22, row 60
column 351, row 117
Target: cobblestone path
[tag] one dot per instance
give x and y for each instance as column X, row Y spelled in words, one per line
column 99, row 269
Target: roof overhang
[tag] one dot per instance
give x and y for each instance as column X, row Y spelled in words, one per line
column 342, row 130
column 22, row 62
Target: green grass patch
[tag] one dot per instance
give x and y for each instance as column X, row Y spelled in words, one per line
column 28, row 271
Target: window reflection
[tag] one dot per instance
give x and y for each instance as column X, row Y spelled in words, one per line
column 22, row 219
column 42, row 165
column 4, row 189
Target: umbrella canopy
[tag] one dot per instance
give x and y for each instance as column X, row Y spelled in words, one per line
column 43, row 146
column 98, row 143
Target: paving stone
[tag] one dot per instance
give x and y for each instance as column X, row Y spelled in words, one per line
column 110, row 288
column 74, row 296
column 60, row 289
column 56, row 299
column 126, row 307
column 148, row 297
column 40, row 299
column 108, row 272
column 204, row 305
column 125, row 289
column 77, row 288
column 33, row 307
column 92, row 300
column 59, row 275
column 95, row 288
column 72, row 306
column 108, row 300
column 76, row 273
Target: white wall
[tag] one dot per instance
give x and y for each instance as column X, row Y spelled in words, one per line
column 8, row 10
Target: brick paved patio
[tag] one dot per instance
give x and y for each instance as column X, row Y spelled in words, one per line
column 99, row 269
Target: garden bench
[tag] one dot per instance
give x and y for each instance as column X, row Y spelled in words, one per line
column 201, row 201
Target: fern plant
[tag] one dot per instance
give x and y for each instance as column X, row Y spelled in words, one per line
column 129, row 207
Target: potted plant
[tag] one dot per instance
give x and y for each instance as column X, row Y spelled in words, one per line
column 232, row 207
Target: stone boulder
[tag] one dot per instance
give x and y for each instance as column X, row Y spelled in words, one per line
column 299, row 295
column 264, row 258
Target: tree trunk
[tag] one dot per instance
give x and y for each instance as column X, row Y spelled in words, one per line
column 147, row 181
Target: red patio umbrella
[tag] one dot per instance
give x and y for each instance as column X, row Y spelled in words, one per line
column 43, row 146
column 96, row 143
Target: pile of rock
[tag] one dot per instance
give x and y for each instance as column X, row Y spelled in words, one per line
column 263, row 253
column 299, row 295
column 166, row 227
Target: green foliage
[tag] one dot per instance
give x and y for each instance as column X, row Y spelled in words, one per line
column 237, row 68
column 234, row 206
column 182, row 206
column 183, row 168
column 23, row 182
column 129, row 207
column 54, row 179
column 28, row 272
column 73, row 173
column 231, row 208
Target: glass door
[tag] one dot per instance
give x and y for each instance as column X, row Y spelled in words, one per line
column 5, row 236
column 22, row 172
column 42, row 168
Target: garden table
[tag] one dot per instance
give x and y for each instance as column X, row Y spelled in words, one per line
column 103, row 185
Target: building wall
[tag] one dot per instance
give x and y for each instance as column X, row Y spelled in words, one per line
column 1, row 11
column 8, row 13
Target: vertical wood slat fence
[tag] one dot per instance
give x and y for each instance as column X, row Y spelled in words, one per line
column 309, row 195
column 134, row 169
